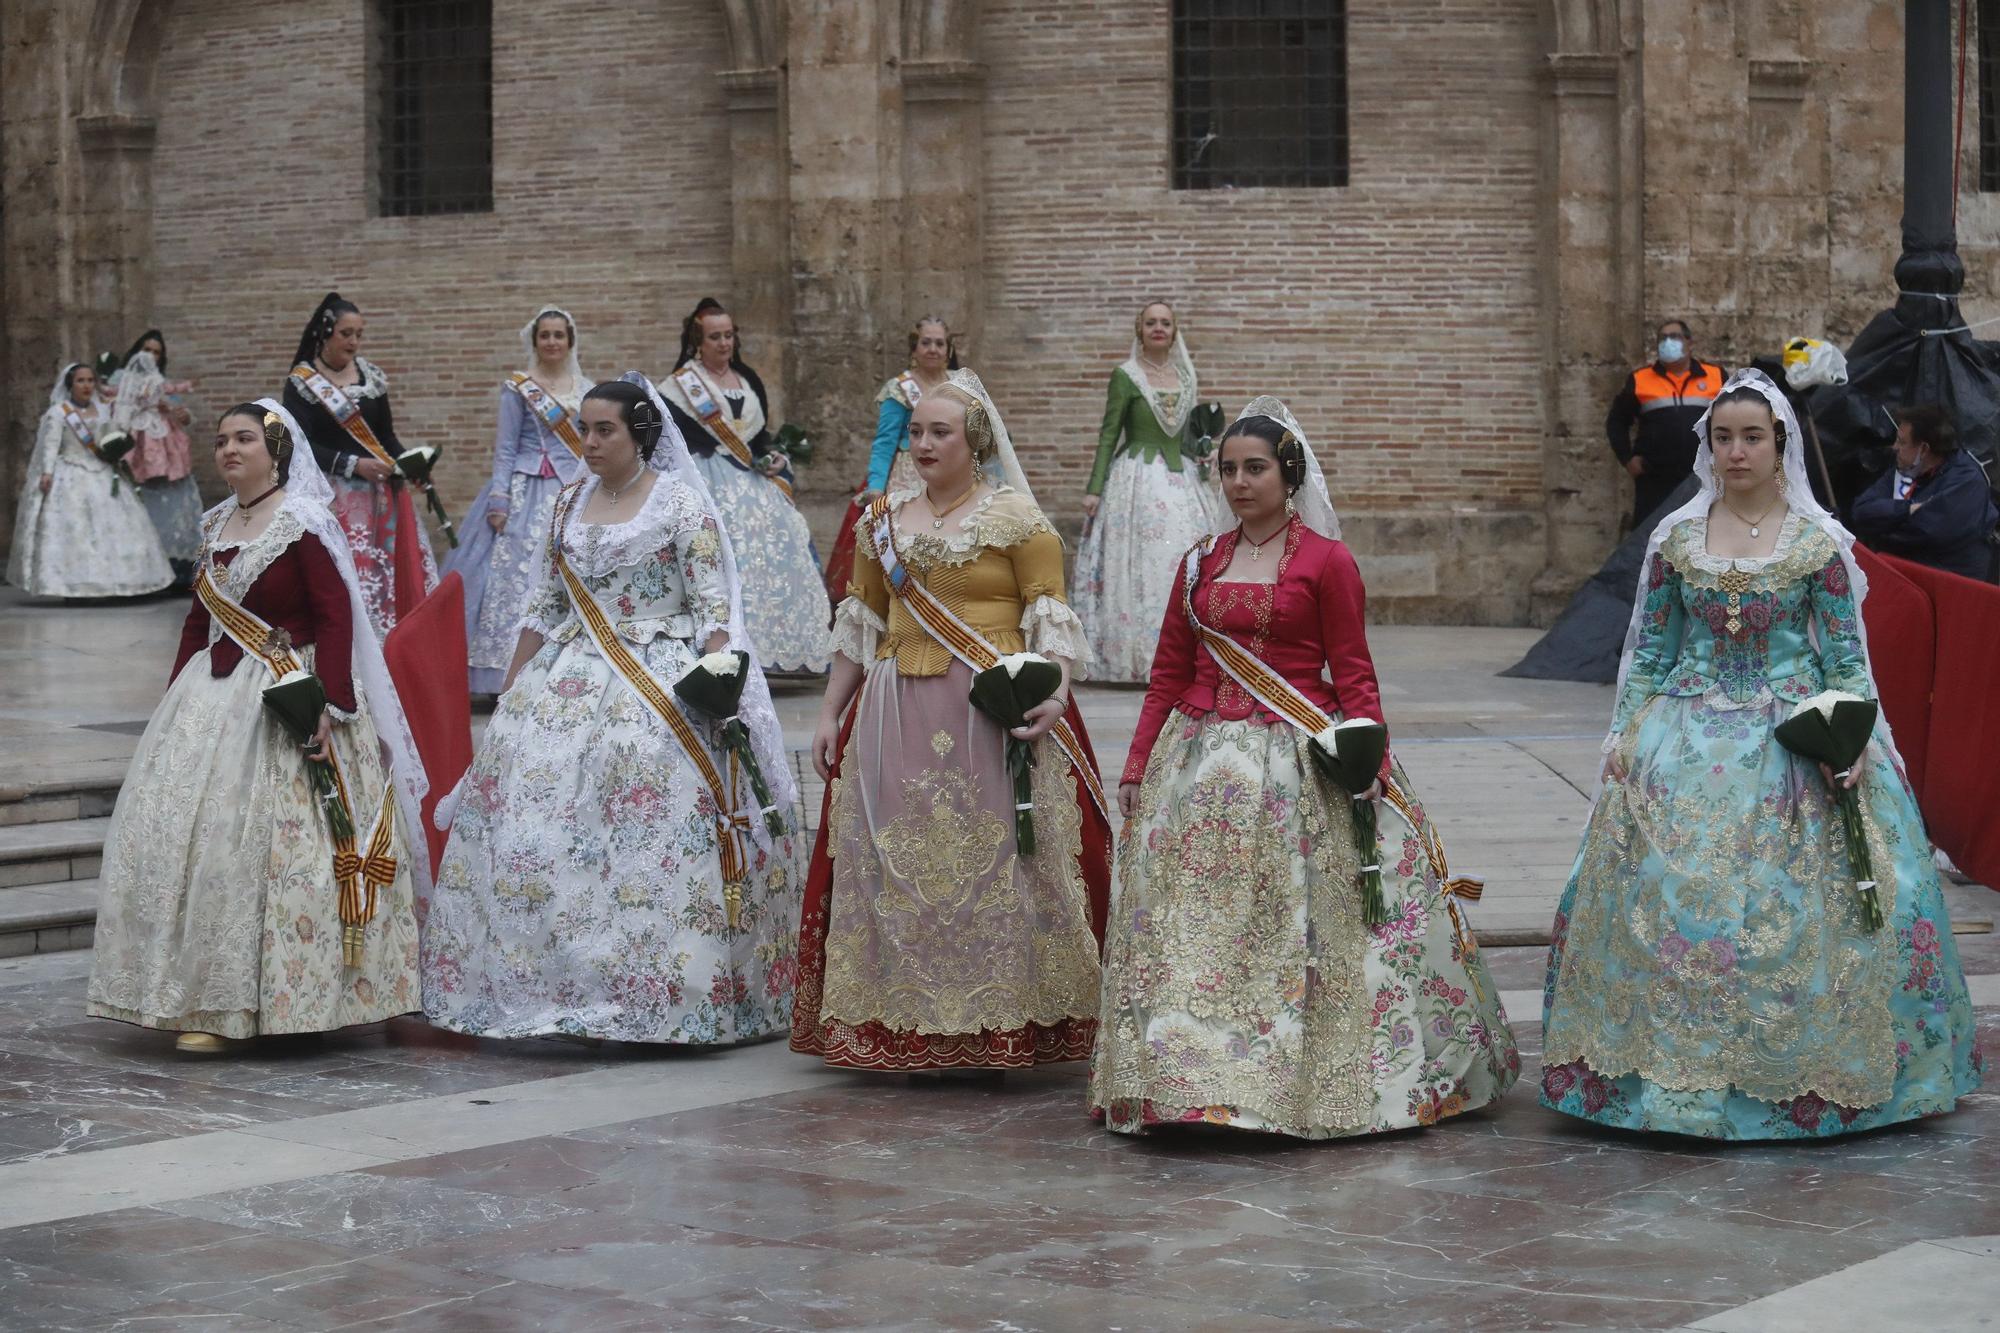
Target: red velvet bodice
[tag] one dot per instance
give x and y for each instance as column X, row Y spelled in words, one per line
column 1310, row 624
column 300, row 593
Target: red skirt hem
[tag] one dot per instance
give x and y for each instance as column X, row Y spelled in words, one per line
column 873, row 1046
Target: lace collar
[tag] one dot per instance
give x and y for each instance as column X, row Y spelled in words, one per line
column 1002, row 519
column 253, row 556
column 671, row 509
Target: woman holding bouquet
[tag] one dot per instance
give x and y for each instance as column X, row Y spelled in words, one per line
column 342, row 400
column 933, row 355
column 720, row 407
column 1146, row 500
column 1244, row 981
column 80, row 530
column 147, row 406
column 1713, row 969
column 933, row 937
column 613, row 871
column 536, row 452
column 221, row 915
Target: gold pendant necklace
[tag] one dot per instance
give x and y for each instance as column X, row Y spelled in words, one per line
column 1754, row 524
column 1257, row 548
column 938, row 516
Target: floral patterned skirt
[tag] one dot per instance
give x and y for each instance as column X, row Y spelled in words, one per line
column 85, row 539
column 785, row 609
column 378, row 519
column 1242, row 986
column 1708, row 972
column 581, row 890
column 174, row 505
column 219, row 911
column 945, row 947
column 1127, row 567
column 502, row 572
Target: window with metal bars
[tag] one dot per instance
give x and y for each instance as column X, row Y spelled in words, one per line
column 1989, row 94
column 433, row 106
column 1260, row 94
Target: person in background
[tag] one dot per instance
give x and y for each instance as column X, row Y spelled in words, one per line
column 1664, row 400
column 1934, row 506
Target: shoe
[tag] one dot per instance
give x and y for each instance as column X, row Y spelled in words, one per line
column 201, row 1043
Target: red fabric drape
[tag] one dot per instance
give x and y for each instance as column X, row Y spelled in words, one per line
column 426, row 655
column 409, row 554
column 1902, row 640
column 840, row 565
column 875, row 1047
column 1961, row 791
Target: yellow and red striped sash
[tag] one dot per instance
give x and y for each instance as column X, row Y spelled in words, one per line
column 710, row 412
column 547, row 410
column 343, row 410
column 79, row 427
column 360, row 876
column 1281, row 697
column 964, row 642
column 731, row 823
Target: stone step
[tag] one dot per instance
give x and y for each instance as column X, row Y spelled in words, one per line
column 51, row 851
column 27, row 802
column 47, row 918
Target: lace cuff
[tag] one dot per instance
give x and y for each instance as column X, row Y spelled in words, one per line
column 857, row 631
column 341, row 715
column 1051, row 628
column 709, row 621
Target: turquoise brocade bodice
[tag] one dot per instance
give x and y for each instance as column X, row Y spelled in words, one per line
column 1742, row 633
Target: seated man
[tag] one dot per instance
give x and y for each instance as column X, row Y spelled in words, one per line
column 1934, row 506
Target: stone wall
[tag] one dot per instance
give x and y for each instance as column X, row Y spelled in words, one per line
column 1534, row 184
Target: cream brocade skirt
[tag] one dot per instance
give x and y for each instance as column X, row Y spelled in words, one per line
column 219, row 910
column 1241, row 984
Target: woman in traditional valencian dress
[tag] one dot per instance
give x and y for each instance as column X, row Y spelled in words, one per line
column 930, row 939
column 342, row 400
column 80, row 529
column 721, row 408
column 536, row 452
column 609, row 874
column 146, row 405
column 221, row 914
column 933, row 355
column 1711, row 971
column 1146, row 503
column 1243, row 985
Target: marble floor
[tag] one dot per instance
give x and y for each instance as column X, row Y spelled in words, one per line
column 399, row 1177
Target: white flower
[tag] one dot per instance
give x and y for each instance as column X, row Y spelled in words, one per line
column 1329, row 737
column 720, row 664
column 299, row 674
column 1015, row 661
column 1824, row 702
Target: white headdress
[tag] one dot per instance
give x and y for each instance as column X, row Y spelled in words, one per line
column 59, row 391
column 1311, row 502
column 309, row 497
column 767, row 737
column 1183, row 367
column 1003, row 459
column 575, row 336
column 137, row 381
column 1798, row 497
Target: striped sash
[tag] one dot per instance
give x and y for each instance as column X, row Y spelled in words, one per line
column 360, row 875
column 964, row 642
column 731, row 823
column 79, row 427
column 1281, row 697
column 545, row 407
column 343, row 410
column 913, row 392
column 710, row 411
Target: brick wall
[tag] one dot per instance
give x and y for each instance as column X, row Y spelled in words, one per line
column 1398, row 317
column 610, row 157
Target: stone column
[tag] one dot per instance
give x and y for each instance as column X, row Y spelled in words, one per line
column 1593, row 284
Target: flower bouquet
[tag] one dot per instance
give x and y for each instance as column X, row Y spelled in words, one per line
column 1350, row 753
column 1204, row 423
column 793, row 443
column 1833, row 728
column 714, row 685
column 415, row 466
column 298, row 700
column 1005, row 692
column 112, row 446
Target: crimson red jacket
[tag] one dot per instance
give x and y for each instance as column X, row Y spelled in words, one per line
column 1312, row 623
column 300, row 593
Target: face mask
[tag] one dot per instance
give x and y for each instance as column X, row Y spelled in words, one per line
column 1672, row 349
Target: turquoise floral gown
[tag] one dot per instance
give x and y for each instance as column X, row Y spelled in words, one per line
column 1708, row 970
